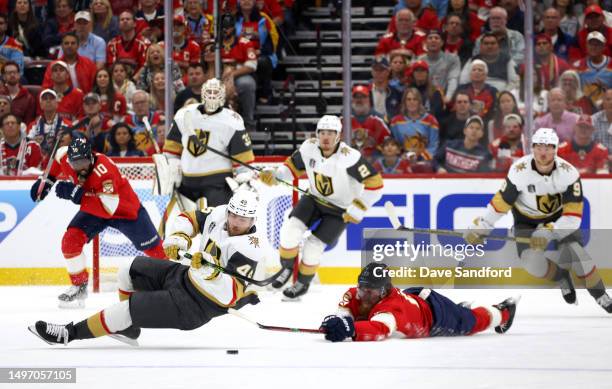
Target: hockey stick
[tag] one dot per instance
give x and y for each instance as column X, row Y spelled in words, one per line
column 256, row 169
column 395, row 222
column 233, row 273
column 149, row 132
column 241, row 315
column 41, row 186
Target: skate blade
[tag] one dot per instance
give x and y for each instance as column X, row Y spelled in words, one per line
column 76, row 304
column 290, row 299
column 32, row 329
column 125, row 339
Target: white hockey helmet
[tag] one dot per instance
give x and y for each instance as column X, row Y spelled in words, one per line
column 213, row 95
column 244, row 203
column 330, row 123
column 545, row 136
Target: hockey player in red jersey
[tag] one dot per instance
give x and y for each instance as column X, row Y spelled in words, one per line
column 106, row 199
column 374, row 310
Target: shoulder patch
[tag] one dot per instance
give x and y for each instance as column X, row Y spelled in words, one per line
column 59, row 154
column 311, row 140
column 520, row 167
column 254, row 241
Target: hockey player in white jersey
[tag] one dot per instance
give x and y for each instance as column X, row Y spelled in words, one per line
column 199, row 173
column 544, row 193
column 338, row 174
column 167, row 294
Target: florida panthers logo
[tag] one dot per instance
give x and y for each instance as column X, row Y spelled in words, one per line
column 198, row 148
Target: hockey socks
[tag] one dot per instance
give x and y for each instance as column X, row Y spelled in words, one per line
column 287, row 260
column 564, row 279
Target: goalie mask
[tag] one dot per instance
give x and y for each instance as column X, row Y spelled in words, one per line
column 213, row 95
column 330, row 123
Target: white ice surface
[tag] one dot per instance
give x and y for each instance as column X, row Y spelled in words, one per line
column 551, row 345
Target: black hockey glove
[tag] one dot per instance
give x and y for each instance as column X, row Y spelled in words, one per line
column 68, row 191
column 48, row 185
column 338, row 328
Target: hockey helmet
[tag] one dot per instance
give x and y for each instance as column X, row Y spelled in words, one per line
column 244, row 203
column 374, row 276
column 330, row 123
column 545, row 136
column 213, row 95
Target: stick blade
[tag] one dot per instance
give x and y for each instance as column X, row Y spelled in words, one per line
column 392, row 213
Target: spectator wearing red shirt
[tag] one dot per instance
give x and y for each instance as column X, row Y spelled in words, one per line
column 128, row 45
column 23, row 104
column 81, row 69
column 184, row 49
column 70, row 98
column 594, row 20
column 391, row 161
column 483, row 95
column 456, row 38
column 49, row 124
column 549, row 65
column 113, row 103
column 17, row 154
column 406, row 40
column 582, row 151
column 426, row 16
column 55, row 27
column 369, row 130
column 508, row 148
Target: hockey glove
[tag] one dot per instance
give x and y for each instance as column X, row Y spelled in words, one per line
column 34, row 190
column 355, row 212
column 268, row 177
column 541, row 237
column 338, row 328
column 68, row 191
column 477, row 231
column 198, row 263
column 174, row 243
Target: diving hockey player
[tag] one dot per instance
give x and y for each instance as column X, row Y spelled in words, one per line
column 375, row 310
column 106, row 199
column 199, row 173
column 544, row 193
column 339, row 175
column 167, row 294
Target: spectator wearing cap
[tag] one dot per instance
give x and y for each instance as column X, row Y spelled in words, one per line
column 465, row 155
column 576, row 101
column 414, row 128
column 456, row 37
column 501, row 67
column 26, row 29
column 561, row 41
column 432, row 95
column 602, row 121
column 185, row 50
column 16, row 153
column 94, row 124
column 121, row 142
column 384, row 98
column 368, row 129
column 150, row 20
column 482, row 94
column 594, row 21
column 56, row 26
column 391, row 161
column 444, row 68
column 548, row 65
column 453, row 123
column 23, row 104
column 558, row 117
column 596, row 69
column 505, row 105
column 583, row 151
column 508, row 148
column 199, row 23
column 49, row 124
column 141, row 109
column 70, row 98
column 511, row 42
column 105, row 24
column 10, row 49
column 406, row 40
column 81, row 69
column 425, row 14
column 91, row 46
column 128, row 45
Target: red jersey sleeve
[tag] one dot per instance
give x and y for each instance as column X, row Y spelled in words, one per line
column 33, row 155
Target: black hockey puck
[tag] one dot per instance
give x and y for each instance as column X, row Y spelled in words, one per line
column 231, row 351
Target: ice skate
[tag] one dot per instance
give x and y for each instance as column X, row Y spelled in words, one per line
column 508, row 304
column 567, row 288
column 73, row 297
column 295, row 291
column 127, row 336
column 53, row 333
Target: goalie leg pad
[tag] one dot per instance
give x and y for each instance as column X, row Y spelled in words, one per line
column 165, row 177
column 291, row 233
column 534, row 262
column 117, row 317
column 313, row 249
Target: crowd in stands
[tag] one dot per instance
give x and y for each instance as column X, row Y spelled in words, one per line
column 447, row 86
column 103, row 63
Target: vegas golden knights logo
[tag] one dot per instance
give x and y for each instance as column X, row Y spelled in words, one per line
column 323, row 184
column 197, row 149
column 214, row 250
column 549, row 203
